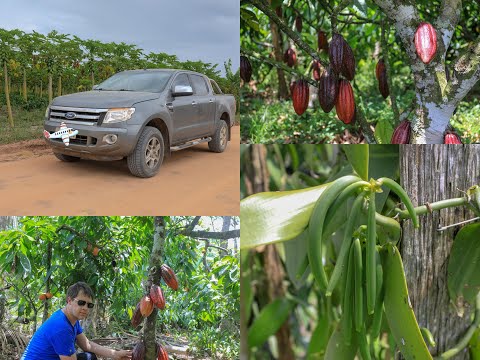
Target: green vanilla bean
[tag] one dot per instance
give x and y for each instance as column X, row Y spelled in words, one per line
column 370, row 262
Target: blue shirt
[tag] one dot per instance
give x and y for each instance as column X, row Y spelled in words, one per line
column 55, row 337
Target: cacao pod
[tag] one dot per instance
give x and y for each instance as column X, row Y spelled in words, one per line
column 245, row 69
column 137, row 316
column 156, row 295
column 322, row 41
column 380, row 68
column 138, row 352
column 383, row 85
column 161, row 352
column 316, row 70
column 451, row 137
column 345, row 104
column 300, row 96
column 169, row 277
column 299, row 23
column 335, row 53
column 328, row 90
column 146, row 306
column 42, row 297
column 48, row 295
column 401, row 134
column 290, row 57
column 426, row 42
column 348, row 64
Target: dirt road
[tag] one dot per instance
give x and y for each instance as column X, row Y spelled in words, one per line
column 193, row 181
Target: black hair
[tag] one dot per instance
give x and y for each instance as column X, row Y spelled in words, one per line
column 73, row 290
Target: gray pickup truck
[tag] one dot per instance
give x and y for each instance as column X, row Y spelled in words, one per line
column 141, row 115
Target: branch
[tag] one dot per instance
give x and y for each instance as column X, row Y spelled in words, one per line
column 447, row 20
column 231, row 234
column 192, row 225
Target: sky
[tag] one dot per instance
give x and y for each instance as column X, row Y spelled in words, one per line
column 205, row 30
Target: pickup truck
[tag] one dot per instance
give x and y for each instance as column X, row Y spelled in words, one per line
column 141, row 115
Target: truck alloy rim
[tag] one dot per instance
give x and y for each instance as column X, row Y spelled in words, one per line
column 223, row 136
column 152, row 152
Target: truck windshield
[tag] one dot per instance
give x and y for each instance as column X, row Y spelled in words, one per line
column 148, row 81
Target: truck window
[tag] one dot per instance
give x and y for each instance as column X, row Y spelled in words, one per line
column 199, row 85
column 182, row 80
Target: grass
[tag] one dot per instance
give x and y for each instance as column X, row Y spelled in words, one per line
column 27, row 125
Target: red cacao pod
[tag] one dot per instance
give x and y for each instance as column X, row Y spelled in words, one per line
column 156, row 295
column 401, row 134
column 380, row 68
column 245, row 69
column 138, row 352
column 316, row 70
column 426, row 42
column 335, row 53
column 345, row 104
column 322, row 41
column 348, row 64
column 451, row 137
column 298, row 23
column 169, row 277
column 146, row 306
column 383, row 85
column 290, row 57
column 300, row 96
column 161, row 352
column 137, row 316
column 328, row 90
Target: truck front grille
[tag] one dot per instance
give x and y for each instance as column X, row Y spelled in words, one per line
column 80, row 140
column 84, row 116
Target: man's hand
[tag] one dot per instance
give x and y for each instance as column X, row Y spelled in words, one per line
column 123, row 355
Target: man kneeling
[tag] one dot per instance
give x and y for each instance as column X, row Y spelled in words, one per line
column 56, row 338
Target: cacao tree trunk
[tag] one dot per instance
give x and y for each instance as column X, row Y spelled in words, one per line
column 156, row 261
column 7, row 95
column 431, row 173
column 50, row 88
column 24, row 88
column 59, row 90
column 278, row 52
column 48, row 281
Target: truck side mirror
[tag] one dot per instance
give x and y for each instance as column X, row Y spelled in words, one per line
column 182, row 90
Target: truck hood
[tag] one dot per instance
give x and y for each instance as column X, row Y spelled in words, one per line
column 104, row 99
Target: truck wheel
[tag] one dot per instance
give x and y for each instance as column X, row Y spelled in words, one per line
column 146, row 158
column 66, row 158
column 220, row 138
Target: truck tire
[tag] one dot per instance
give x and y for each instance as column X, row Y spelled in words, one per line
column 66, row 158
column 146, row 158
column 220, row 138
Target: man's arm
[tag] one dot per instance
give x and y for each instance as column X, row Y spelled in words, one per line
column 90, row 346
column 73, row 357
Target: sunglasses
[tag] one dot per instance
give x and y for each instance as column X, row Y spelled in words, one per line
column 83, row 302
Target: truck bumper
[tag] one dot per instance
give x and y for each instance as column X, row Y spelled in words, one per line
column 91, row 140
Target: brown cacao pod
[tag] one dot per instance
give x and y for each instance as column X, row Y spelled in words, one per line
column 316, row 70
column 401, row 134
column 300, row 96
column 426, row 42
column 328, row 90
column 335, row 53
column 348, row 64
column 138, row 352
column 345, row 104
column 451, row 137
column 245, row 69
column 146, row 306
column 278, row 11
column 383, row 85
column 299, row 23
column 380, row 68
column 322, row 41
column 161, row 352
column 156, row 294
column 290, row 57
column 137, row 316
column 169, row 277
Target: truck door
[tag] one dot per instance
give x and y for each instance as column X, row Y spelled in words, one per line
column 205, row 105
column 184, row 111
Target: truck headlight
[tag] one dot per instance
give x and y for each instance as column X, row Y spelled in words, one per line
column 118, row 115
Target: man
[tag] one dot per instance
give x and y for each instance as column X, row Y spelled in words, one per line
column 56, row 338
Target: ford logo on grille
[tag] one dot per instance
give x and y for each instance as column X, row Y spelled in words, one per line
column 70, row 115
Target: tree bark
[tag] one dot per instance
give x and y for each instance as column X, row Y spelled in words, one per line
column 48, row 281
column 431, row 173
column 278, row 52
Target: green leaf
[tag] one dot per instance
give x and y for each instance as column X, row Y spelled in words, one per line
column 269, row 321
column 25, row 262
column 295, row 257
column 319, row 339
column 271, row 217
column 383, row 132
column 357, row 155
column 337, row 349
column 464, row 266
